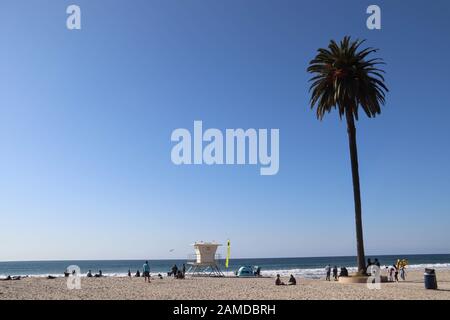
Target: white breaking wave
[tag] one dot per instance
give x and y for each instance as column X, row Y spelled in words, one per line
column 317, row 273
column 311, row 273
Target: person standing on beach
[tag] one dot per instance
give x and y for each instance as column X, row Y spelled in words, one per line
column 328, row 270
column 335, row 273
column 391, row 270
column 146, row 269
column 395, row 273
column 403, row 273
column 174, row 270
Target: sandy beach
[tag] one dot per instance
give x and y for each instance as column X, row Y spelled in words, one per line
column 221, row 288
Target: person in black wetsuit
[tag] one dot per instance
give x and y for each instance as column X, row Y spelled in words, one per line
column 335, row 273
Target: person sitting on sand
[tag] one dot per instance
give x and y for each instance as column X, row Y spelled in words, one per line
column 278, row 281
column 138, row 274
column 335, row 273
column 66, row 274
column 160, row 276
column 292, row 281
column 344, row 272
column 179, row 275
column 7, row 278
column 99, row 274
column 89, row 274
column 146, row 269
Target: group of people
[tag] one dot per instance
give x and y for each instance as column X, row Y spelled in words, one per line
column 145, row 272
column 88, row 274
column 177, row 273
column 97, row 275
column 291, row 282
column 392, row 271
column 8, row 278
column 343, row 272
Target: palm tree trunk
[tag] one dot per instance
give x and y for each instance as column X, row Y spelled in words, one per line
column 351, row 129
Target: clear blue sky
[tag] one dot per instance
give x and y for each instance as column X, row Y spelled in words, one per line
column 86, row 118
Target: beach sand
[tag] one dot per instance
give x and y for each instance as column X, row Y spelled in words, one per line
column 221, row 288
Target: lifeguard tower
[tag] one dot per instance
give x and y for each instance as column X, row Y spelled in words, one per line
column 204, row 261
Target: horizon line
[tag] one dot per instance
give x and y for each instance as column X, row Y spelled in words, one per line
column 240, row 258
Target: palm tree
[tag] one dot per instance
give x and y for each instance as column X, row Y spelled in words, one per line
column 344, row 79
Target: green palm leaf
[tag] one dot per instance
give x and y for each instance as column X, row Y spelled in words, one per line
column 344, row 79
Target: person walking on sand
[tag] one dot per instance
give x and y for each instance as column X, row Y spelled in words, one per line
column 395, row 273
column 146, row 269
column 328, row 270
column 335, row 273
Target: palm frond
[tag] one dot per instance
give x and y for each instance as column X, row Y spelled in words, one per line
column 344, row 79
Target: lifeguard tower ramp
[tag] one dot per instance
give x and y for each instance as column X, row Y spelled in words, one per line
column 204, row 263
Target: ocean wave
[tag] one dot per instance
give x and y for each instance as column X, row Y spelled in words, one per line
column 308, row 273
column 317, row 273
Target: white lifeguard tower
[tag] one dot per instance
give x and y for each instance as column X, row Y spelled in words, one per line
column 205, row 260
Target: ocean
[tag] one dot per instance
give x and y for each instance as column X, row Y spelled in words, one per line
column 299, row 267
